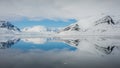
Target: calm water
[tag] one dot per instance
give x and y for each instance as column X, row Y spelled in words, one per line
column 70, row 52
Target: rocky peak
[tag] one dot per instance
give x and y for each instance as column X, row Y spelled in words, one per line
column 8, row 25
column 107, row 19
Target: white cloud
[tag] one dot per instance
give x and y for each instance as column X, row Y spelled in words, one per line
column 35, row 29
column 56, row 9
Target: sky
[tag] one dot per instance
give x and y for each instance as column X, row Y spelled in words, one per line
column 53, row 13
column 45, row 22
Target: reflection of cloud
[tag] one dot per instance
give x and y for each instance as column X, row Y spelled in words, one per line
column 35, row 40
column 56, row 58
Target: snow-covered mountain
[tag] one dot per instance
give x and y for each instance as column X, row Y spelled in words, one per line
column 101, row 24
column 40, row 28
column 38, row 31
column 7, row 27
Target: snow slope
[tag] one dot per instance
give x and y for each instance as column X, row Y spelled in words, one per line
column 96, row 25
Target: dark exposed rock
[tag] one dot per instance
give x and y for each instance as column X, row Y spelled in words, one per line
column 8, row 43
column 106, row 19
column 8, row 25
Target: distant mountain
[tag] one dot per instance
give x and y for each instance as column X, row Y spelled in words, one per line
column 7, row 27
column 39, row 28
column 94, row 25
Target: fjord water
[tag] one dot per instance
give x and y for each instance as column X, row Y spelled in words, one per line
column 60, row 52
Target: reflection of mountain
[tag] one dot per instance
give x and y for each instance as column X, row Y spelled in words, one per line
column 73, row 42
column 7, row 43
column 94, row 45
column 106, row 50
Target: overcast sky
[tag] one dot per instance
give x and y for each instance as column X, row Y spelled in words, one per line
column 55, row 9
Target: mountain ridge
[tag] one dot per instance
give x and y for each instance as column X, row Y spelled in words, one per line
column 7, row 27
column 98, row 24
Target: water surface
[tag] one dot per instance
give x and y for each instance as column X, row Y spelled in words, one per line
column 60, row 52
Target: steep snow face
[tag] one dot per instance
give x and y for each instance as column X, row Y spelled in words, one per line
column 105, row 25
column 97, row 24
column 7, row 27
column 34, row 29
